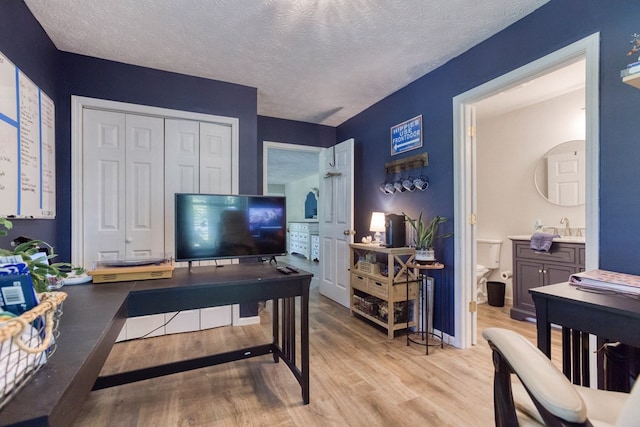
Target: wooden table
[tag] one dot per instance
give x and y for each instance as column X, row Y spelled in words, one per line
column 94, row 315
column 580, row 313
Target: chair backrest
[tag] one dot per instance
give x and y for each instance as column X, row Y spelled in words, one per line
column 630, row 414
column 552, row 393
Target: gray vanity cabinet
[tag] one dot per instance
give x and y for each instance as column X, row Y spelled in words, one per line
column 533, row 269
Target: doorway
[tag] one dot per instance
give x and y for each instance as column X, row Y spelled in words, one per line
column 465, row 170
column 292, row 170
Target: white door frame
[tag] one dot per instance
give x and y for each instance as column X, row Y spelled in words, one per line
column 464, row 159
column 78, row 103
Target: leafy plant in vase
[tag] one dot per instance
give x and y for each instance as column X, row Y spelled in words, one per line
column 43, row 275
column 426, row 233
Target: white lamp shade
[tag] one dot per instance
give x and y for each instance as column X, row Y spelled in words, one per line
column 377, row 222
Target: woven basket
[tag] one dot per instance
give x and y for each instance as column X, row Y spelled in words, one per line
column 26, row 342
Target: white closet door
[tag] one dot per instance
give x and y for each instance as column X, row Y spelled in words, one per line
column 182, row 169
column 103, row 185
column 123, row 181
column 215, row 158
column 145, row 186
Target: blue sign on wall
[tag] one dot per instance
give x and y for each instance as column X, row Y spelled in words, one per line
column 406, row 136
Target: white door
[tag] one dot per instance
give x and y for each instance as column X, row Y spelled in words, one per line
column 215, row 158
column 123, row 182
column 566, row 178
column 182, row 171
column 336, row 220
column 199, row 160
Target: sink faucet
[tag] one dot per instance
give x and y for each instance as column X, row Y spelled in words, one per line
column 565, row 221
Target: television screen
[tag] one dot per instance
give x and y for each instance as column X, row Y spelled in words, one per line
column 214, row 226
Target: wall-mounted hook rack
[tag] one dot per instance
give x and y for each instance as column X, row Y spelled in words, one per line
column 413, row 162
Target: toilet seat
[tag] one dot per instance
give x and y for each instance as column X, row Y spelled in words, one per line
column 481, row 269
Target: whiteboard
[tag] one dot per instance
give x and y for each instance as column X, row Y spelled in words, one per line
column 27, row 146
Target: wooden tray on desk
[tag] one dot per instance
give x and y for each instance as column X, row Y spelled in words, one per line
column 163, row 270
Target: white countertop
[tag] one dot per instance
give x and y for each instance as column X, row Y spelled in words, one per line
column 565, row 239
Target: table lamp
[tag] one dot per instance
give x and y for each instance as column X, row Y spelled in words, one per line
column 377, row 225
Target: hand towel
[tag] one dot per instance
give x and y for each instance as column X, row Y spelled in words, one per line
column 541, row 242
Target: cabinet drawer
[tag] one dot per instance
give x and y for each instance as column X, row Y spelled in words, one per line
column 359, row 282
column 378, row 288
column 558, row 253
column 294, row 235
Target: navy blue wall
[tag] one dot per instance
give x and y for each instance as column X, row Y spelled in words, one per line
column 555, row 25
column 292, row 132
column 25, row 43
column 97, row 78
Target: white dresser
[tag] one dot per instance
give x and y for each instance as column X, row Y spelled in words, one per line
column 315, row 247
column 300, row 237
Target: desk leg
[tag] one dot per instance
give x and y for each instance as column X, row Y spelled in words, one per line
column 544, row 328
column 276, row 327
column 566, row 352
column 289, row 328
column 584, row 355
column 304, row 343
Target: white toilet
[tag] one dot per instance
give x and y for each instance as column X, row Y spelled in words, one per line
column 488, row 259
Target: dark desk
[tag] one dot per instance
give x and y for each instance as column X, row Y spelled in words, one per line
column 611, row 317
column 94, row 315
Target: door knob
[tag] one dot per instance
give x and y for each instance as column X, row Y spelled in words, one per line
column 128, row 240
column 349, row 232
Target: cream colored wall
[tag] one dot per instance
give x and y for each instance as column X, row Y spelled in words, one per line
column 508, row 147
column 296, row 193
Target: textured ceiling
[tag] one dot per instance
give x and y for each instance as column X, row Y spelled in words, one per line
column 318, row 61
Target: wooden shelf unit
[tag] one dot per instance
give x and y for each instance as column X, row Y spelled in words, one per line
column 369, row 284
column 633, row 80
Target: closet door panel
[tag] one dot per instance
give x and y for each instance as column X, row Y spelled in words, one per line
column 145, row 186
column 103, row 179
column 215, row 158
column 182, row 170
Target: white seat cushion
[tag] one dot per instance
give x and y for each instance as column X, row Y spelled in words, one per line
column 603, row 407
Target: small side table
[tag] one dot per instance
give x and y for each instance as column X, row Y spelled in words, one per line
column 423, row 283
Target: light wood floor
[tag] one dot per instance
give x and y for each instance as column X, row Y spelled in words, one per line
column 358, row 378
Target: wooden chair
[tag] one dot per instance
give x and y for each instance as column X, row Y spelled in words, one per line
column 544, row 396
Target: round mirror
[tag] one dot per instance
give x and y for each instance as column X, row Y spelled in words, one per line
column 560, row 174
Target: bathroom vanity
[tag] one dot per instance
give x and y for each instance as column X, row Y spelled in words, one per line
column 532, row 269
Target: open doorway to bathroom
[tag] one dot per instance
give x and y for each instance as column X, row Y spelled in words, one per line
column 515, row 130
column 503, row 148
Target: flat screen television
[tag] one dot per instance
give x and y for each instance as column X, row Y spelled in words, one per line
column 218, row 226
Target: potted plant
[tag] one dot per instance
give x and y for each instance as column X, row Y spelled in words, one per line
column 42, row 273
column 426, row 233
